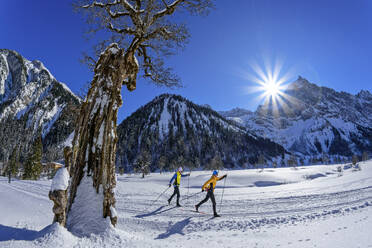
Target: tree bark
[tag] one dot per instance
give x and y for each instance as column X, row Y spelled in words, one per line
column 59, row 198
column 94, row 144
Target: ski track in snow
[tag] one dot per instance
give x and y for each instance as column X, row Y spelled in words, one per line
column 274, row 208
column 258, row 213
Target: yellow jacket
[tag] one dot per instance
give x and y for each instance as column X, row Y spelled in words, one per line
column 212, row 180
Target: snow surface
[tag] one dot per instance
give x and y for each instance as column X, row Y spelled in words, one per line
column 60, row 180
column 312, row 206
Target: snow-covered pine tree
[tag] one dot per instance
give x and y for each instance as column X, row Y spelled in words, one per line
column 13, row 165
column 215, row 163
column 33, row 166
column 142, row 29
column 162, row 163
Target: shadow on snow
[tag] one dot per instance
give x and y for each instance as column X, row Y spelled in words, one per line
column 8, row 233
column 155, row 212
column 176, row 228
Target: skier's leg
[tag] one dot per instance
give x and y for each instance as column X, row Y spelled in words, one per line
column 174, row 193
column 214, row 204
column 177, row 189
column 202, row 202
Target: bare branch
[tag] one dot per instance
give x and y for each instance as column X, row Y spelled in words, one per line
column 169, row 9
column 138, row 5
column 159, row 31
column 143, row 28
column 99, row 4
column 107, row 7
column 117, row 14
column 128, row 7
column 121, row 31
column 88, row 60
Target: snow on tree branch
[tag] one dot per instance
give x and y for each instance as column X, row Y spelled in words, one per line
column 133, row 23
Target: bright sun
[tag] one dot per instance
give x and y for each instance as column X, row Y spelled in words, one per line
column 270, row 83
column 272, row 88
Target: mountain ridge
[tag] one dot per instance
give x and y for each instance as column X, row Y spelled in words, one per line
column 33, row 103
column 312, row 120
column 185, row 133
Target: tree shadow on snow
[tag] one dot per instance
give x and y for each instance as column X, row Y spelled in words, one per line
column 226, row 187
column 155, row 212
column 8, row 233
column 176, row 228
column 267, row 183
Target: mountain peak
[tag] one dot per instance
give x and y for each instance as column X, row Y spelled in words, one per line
column 235, row 112
column 33, row 102
column 299, row 83
column 364, row 94
column 187, row 133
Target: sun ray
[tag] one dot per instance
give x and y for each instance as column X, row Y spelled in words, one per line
column 271, row 82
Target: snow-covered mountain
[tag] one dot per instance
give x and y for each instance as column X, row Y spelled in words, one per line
column 184, row 133
column 32, row 103
column 311, row 120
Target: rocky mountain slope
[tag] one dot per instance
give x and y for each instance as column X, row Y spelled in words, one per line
column 312, row 120
column 33, row 103
column 178, row 132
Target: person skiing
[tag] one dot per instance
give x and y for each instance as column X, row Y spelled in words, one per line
column 209, row 187
column 177, row 180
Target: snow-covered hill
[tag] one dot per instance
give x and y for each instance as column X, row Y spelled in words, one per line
column 32, row 103
column 313, row 120
column 313, row 206
column 184, row 133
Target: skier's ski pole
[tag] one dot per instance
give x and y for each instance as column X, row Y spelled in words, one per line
column 192, row 195
column 159, row 196
column 223, row 190
column 188, row 188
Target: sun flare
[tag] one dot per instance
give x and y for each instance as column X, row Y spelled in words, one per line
column 272, row 89
column 270, row 82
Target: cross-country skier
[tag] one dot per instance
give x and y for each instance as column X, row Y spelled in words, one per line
column 177, row 180
column 209, row 187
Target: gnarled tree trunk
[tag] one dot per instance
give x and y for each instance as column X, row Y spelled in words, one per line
column 91, row 194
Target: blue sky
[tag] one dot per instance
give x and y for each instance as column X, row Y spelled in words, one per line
column 327, row 42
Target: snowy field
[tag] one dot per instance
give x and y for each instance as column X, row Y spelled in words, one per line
column 312, row 206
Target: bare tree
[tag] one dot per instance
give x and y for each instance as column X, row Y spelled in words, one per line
column 325, row 158
column 292, row 161
column 275, row 164
column 142, row 29
column 356, row 165
column 365, row 156
column 354, row 159
column 143, row 163
column 261, row 161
